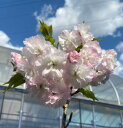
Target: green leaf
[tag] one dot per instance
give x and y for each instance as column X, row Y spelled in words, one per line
column 51, row 39
column 57, row 44
column 15, row 81
column 50, row 30
column 79, row 48
column 47, row 32
column 87, row 93
column 95, row 39
column 45, row 29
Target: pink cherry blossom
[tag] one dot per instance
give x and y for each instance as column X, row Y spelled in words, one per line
column 91, row 54
column 69, row 40
column 73, row 56
column 19, row 62
column 105, row 67
column 78, row 75
column 54, row 95
column 50, row 73
column 16, row 58
column 84, row 32
column 93, row 44
column 109, row 60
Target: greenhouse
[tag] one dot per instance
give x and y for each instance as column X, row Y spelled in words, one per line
column 18, row 110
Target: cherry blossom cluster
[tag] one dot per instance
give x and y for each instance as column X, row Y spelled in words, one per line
column 52, row 73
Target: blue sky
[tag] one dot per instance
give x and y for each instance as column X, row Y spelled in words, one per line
column 18, row 20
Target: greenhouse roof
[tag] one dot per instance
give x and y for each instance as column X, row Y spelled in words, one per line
column 111, row 92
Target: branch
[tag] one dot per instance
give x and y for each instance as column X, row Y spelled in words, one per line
column 71, row 114
column 75, row 92
column 65, row 108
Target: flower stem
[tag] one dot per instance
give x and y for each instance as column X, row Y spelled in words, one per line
column 65, row 108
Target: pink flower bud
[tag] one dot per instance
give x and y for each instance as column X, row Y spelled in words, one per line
column 73, row 56
column 16, row 58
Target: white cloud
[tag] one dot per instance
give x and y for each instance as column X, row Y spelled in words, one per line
column 119, row 69
column 119, row 47
column 5, row 41
column 121, row 57
column 43, row 14
column 104, row 16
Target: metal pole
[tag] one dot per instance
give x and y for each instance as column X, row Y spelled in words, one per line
column 118, row 100
column 2, row 104
column 60, row 118
column 115, row 90
column 93, row 112
column 94, row 125
column 21, row 111
column 121, row 116
column 80, row 114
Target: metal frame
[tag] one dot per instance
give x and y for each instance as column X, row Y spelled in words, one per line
column 79, row 100
column 93, row 103
column 21, row 111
